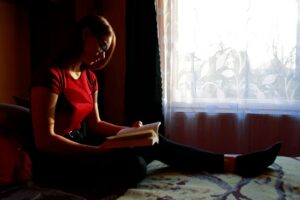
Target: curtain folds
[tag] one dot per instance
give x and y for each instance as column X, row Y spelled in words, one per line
column 143, row 89
column 230, row 72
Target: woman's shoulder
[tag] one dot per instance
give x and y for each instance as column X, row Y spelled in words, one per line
column 45, row 75
column 92, row 79
column 57, row 70
column 90, row 74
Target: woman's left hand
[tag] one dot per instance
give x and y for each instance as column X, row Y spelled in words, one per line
column 137, row 124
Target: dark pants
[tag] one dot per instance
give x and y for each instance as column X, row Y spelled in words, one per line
column 122, row 167
column 182, row 157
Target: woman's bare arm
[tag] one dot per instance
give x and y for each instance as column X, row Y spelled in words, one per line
column 97, row 126
column 43, row 103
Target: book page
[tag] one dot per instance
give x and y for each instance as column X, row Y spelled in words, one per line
column 153, row 126
column 123, row 142
column 134, row 135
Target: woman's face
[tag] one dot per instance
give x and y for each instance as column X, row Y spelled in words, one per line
column 95, row 48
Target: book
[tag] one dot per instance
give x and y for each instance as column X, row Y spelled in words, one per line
column 145, row 135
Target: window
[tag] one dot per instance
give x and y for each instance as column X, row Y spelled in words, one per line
column 230, row 55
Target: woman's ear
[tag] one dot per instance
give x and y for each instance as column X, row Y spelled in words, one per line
column 85, row 33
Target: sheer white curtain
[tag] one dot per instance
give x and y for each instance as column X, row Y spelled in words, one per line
column 229, row 56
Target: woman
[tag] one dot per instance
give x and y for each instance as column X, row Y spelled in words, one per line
column 64, row 96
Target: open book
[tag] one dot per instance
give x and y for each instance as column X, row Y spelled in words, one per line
column 145, row 135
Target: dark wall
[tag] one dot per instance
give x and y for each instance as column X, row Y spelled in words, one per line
column 49, row 25
column 14, row 50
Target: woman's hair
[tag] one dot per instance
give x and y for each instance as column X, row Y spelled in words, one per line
column 98, row 26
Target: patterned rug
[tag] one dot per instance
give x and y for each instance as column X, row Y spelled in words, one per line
column 280, row 181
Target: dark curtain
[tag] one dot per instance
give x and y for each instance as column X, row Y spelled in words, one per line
column 143, row 89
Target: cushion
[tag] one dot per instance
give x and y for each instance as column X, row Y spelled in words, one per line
column 15, row 142
column 14, row 117
column 15, row 121
column 15, row 163
column 22, row 101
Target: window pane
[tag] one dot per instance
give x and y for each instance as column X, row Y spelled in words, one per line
column 236, row 53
